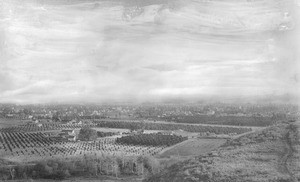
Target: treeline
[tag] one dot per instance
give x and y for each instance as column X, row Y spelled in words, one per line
column 153, row 139
column 269, row 134
column 165, row 126
column 44, row 127
column 87, row 166
column 105, row 134
column 224, row 120
column 88, row 134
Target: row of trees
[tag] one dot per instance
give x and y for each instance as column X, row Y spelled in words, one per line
column 152, row 139
column 43, row 127
column 105, row 134
column 226, row 120
column 269, row 134
column 12, row 140
column 169, row 126
column 87, row 166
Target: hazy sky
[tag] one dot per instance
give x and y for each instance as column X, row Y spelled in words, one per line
column 59, row 50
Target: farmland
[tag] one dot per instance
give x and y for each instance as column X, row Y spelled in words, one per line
column 31, row 143
column 30, row 140
column 4, row 122
column 192, row 147
column 26, row 147
column 44, row 127
column 171, row 126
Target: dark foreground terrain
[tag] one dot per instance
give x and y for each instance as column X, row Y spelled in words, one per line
column 268, row 155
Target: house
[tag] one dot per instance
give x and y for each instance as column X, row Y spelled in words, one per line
column 70, row 135
column 71, row 138
column 67, row 132
column 9, row 115
column 73, row 121
column 138, row 131
column 75, row 132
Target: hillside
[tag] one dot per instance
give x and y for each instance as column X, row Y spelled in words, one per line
column 268, row 155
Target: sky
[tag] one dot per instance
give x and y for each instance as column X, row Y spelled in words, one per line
column 145, row 50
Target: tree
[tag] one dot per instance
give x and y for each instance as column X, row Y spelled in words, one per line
column 27, row 111
column 87, row 134
column 56, row 117
column 12, row 173
column 133, row 127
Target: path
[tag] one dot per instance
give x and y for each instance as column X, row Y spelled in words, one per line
column 288, row 154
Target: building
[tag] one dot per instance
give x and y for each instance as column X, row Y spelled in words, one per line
column 71, row 138
column 70, row 135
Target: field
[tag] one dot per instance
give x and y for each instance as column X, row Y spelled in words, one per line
column 26, row 147
column 192, row 147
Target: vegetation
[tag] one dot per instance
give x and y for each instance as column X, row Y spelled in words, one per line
column 105, row 134
column 193, row 147
column 152, row 139
column 44, row 127
column 267, row 155
column 89, row 165
column 169, row 126
column 34, row 146
column 225, row 120
column 244, row 159
column 272, row 133
column 87, row 134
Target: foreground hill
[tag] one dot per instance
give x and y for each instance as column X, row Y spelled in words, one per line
column 268, row 155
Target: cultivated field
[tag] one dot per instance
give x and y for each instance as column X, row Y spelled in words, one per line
column 173, row 127
column 28, row 142
column 192, row 147
column 26, row 147
column 5, row 122
column 44, row 127
column 34, row 143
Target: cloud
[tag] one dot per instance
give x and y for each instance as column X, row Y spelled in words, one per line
column 101, row 50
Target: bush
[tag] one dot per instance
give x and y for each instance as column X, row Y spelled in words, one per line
column 52, row 169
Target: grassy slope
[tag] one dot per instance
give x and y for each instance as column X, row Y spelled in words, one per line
column 193, row 147
column 259, row 156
